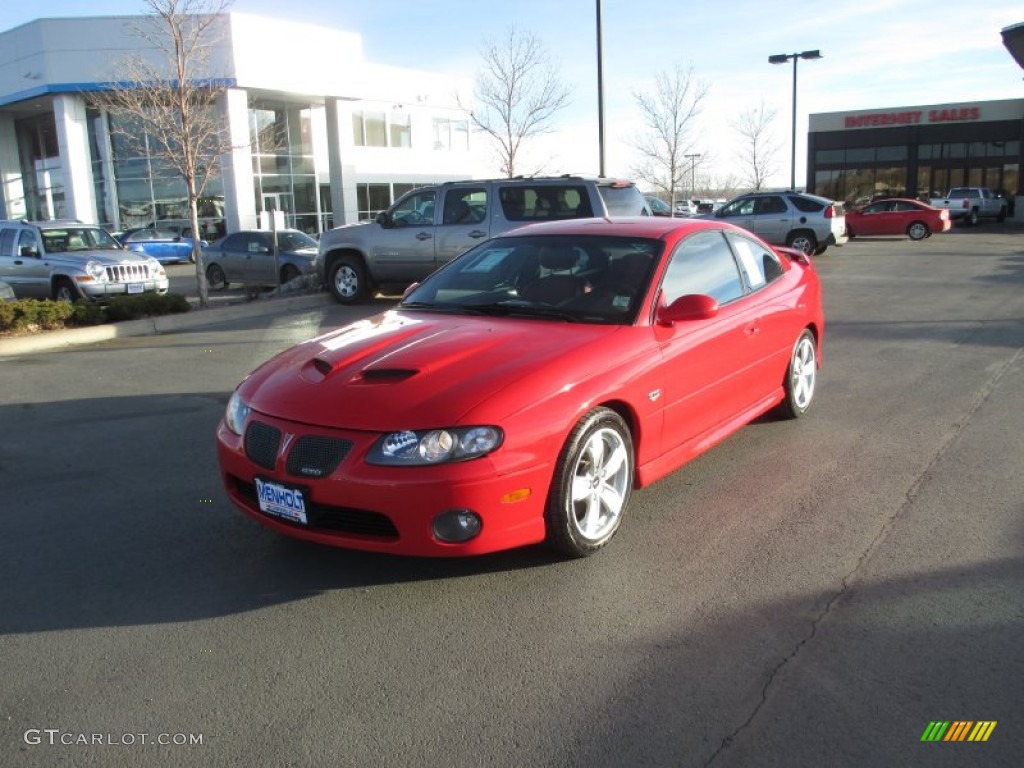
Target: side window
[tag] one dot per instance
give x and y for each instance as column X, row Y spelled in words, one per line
column 415, row 210
column 7, row 238
column 805, row 204
column 744, row 207
column 234, row 242
column 759, row 265
column 703, row 263
column 465, row 205
column 258, row 243
column 770, row 205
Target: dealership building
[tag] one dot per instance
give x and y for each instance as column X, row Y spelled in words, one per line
column 316, row 131
column 917, row 151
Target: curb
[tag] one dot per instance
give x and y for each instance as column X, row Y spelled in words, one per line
column 153, row 326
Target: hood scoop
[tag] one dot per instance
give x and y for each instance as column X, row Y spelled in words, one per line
column 386, row 375
column 317, row 369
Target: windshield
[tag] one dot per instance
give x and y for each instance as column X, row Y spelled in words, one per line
column 589, row 279
column 71, row 239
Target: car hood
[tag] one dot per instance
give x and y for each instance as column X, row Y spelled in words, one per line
column 106, row 258
column 416, row 370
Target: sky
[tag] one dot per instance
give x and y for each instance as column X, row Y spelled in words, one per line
column 875, row 54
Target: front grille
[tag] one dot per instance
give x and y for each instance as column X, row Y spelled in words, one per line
column 315, row 456
column 127, row 273
column 324, row 517
column 261, row 442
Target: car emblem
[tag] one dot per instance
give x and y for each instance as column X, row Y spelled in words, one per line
column 653, row 395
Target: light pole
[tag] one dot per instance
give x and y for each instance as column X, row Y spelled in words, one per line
column 693, row 171
column 600, row 93
column 782, row 58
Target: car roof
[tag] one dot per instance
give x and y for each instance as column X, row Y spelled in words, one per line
column 628, row 226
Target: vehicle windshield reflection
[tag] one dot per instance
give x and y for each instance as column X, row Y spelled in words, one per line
column 588, row 279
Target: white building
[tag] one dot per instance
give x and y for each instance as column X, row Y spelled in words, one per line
column 349, row 135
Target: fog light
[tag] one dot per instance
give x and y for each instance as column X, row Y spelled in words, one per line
column 455, row 526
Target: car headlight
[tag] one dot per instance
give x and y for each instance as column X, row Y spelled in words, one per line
column 236, row 414
column 434, row 446
column 96, row 271
column 155, row 267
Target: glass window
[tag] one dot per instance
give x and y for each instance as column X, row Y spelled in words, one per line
column 860, row 155
column 742, row 207
column 401, row 136
column 358, row 134
column 829, row 156
column 770, row 204
column 415, row 210
column 804, row 204
column 372, row 199
column 376, row 134
column 465, row 205
column 760, row 266
column 7, row 237
column 704, row 264
column 891, row 153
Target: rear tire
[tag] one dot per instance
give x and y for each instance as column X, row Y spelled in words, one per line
column 592, row 483
column 804, row 241
column 801, row 377
column 216, row 280
column 1002, row 215
column 973, row 218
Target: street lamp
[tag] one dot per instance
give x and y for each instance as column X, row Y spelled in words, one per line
column 693, row 170
column 782, row 58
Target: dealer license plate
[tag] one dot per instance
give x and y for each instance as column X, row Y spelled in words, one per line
column 136, row 288
column 281, row 501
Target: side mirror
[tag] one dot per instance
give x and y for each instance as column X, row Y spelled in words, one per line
column 693, row 306
column 384, row 219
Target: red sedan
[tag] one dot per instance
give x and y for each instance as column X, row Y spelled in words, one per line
column 520, row 393
column 898, row 216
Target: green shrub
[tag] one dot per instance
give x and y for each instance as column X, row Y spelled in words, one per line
column 46, row 315
column 145, row 305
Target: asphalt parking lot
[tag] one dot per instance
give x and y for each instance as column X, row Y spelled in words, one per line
column 807, row 593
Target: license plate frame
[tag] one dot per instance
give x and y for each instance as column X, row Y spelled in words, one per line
column 284, row 502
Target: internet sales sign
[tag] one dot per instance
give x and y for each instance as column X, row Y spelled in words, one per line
column 914, row 117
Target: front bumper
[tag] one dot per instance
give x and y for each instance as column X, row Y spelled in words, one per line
column 94, row 290
column 388, row 509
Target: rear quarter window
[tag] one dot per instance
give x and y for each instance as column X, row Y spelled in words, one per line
column 806, row 204
column 623, row 200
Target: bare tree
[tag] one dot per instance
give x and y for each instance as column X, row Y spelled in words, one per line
column 165, row 99
column 759, row 152
column 668, row 114
column 517, row 93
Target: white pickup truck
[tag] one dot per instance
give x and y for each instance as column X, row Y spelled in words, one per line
column 971, row 204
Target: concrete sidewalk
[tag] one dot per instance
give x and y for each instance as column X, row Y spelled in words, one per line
column 216, row 312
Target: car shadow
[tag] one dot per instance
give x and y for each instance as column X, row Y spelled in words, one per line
column 117, row 520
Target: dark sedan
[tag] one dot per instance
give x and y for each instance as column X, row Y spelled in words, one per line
column 248, row 257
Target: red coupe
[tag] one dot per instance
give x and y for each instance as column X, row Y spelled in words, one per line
column 521, row 392
column 897, row 216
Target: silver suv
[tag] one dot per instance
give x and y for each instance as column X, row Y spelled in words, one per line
column 430, row 226
column 68, row 260
column 807, row 222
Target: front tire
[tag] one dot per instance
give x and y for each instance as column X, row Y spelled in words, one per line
column 348, row 281
column 592, row 484
column 801, row 377
column 65, row 290
column 288, row 273
column 918, row 230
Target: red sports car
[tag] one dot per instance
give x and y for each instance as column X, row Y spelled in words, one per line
column 521, row 392
column 898, row 216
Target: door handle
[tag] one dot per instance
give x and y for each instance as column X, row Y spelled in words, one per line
column 477, row 233
column 423, row 236
column 18, row 262
column 752, row 329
